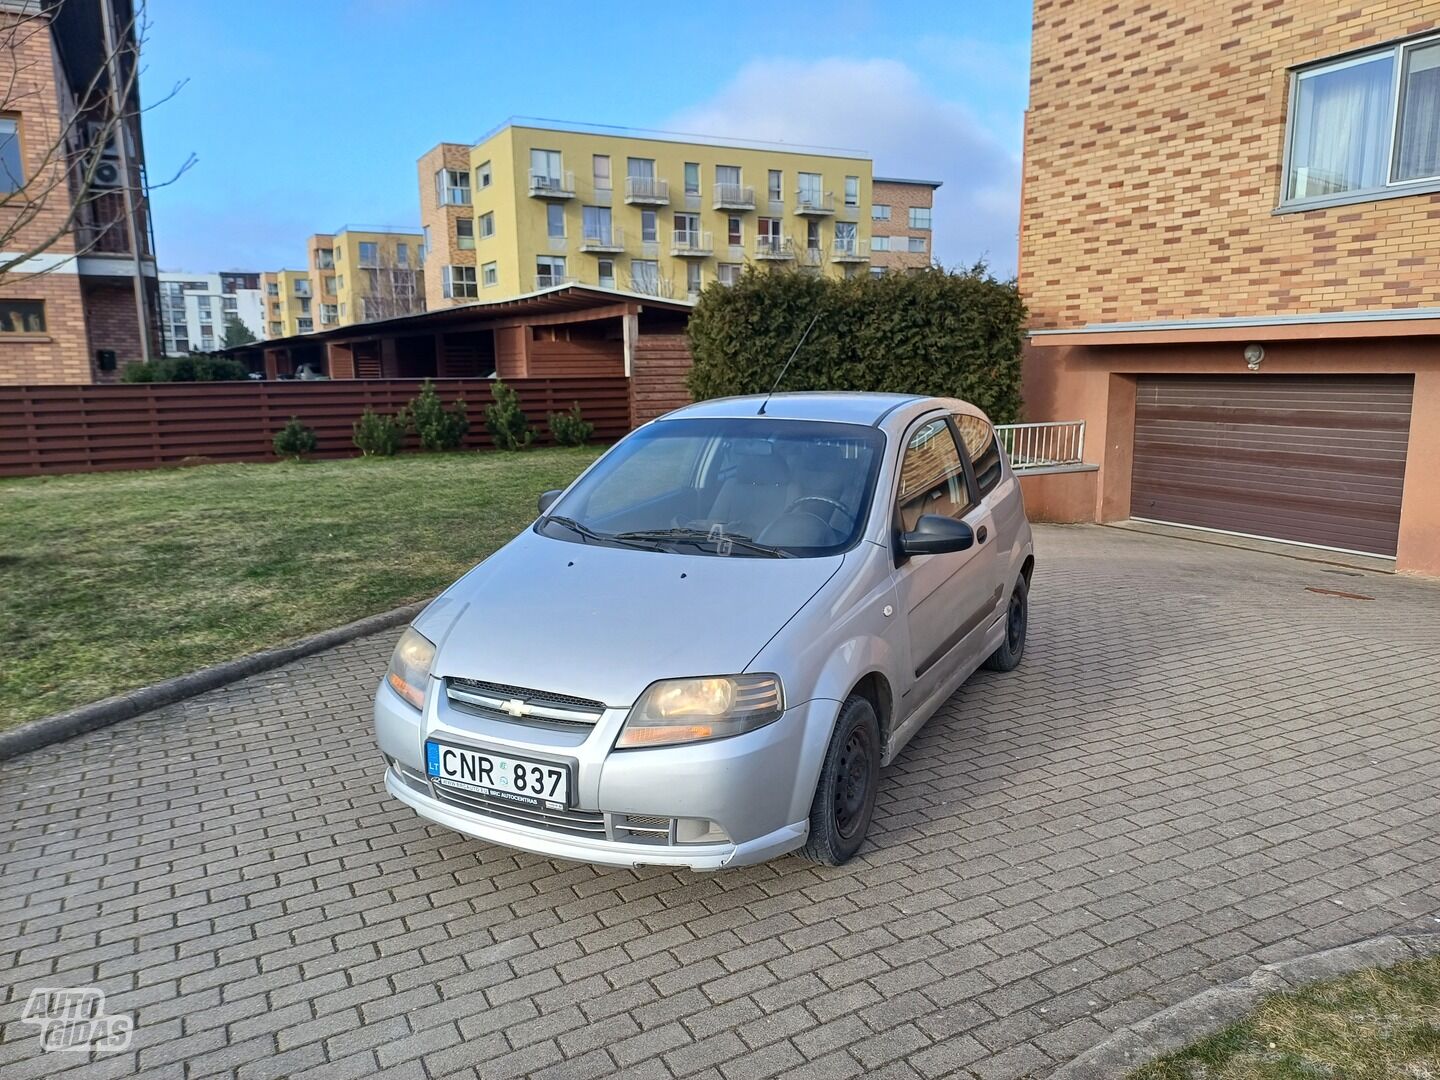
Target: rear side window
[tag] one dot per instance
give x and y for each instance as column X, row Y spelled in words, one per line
column 932, row 479
column 984, row 451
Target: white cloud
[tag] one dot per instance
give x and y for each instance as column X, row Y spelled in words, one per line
column 883, row 108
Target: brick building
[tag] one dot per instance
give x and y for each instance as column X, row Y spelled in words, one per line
column 1229, row 227
column 900, row 229
column 76, row 228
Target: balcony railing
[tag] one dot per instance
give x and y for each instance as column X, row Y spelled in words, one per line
column 773, row 247
column 692, row 243
column 1054, row 445
column 810, row 256
column 550, row 281
column 852, row 250
column 810, row 203
column 545, row 186
column 647, row 191
column 603, row 240
column 734, row 197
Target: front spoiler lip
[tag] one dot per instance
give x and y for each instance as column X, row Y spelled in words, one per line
column 603, row 852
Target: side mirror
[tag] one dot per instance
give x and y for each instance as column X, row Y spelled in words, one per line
column 547, row 499
column 936, row 535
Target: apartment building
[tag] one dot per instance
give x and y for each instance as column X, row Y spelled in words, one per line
column 900, row 224
column 289, row 299
column 1228, row 244
column 532, row 207
column 361, row 273
column 78, row 296
column 196, row 308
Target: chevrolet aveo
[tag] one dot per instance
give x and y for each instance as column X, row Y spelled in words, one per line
column 704, row 650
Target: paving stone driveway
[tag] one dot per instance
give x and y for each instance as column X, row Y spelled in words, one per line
column 1200, row 767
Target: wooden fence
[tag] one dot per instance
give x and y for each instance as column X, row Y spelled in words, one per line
column 67, row 429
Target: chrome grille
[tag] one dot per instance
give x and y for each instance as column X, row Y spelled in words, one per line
column 574, row 822
column 537, row 708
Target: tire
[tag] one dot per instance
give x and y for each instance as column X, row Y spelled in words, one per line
column 1017, row 620
column 845, row 796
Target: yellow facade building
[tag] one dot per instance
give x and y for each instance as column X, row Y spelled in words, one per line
column 531, row 207
column 288, row 296
column 361, row 273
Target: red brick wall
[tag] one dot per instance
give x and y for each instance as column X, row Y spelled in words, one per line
column 657, row 375
column 900, row 198
column 441, row 221
column 111, row 323
column 1153, row 156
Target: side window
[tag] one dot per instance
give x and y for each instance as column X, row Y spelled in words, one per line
column 984, row 451
column 932, row 478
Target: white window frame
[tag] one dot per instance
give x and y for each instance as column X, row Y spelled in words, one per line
column 1391, row 188
column 922, row 242
column 490, row 274
column 852, row 191
column 920, row 217
column 880, row 212
column 463, row 242
column 484, row 175
column 487, row 224
column 452, row 187
column 459, row 283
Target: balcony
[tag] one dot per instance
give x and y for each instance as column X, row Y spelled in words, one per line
column 734, row 197
column 551, row 281
column 810, row 203
column 850, row 251
column 545, row 186
column 692, row 244
column 647, row 191
column 810, row 256
column 603, row 241
column 775, row 248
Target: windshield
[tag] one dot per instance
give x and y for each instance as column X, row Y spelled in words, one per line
column 751, row 487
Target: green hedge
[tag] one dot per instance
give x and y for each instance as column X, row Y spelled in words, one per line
column 193, row 368
column 947, row 333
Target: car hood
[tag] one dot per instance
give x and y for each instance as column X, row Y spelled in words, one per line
column 599, row 622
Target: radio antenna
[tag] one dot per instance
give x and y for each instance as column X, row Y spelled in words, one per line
column 786, row 368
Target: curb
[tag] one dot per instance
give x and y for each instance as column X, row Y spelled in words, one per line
column 1210, row 1010
column 52, row 729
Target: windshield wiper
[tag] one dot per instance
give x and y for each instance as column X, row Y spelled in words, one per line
column 703, row 536
column 603, row 538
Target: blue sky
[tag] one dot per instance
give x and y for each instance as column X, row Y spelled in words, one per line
column 306, row 116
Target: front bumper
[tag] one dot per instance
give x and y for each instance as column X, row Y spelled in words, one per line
column 757, row 787
column 603, row 852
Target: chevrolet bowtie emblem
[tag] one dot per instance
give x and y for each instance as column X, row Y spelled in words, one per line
column 515, row 707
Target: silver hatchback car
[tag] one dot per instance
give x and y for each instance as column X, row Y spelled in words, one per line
column 706, row 648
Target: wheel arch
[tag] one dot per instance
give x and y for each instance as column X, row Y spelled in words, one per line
column 875, row 688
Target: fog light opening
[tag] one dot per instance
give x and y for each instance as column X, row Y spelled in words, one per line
column 690, row 830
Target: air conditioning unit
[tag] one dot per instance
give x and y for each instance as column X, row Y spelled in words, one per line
column 107, row 174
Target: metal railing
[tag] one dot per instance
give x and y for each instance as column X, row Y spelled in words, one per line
column 808, row 201
column 851, row 249
column 773, row 247
column 646, row 189
column 734, row 197
column 1042, row 446
column 550, row 281
column 605, row 239
column 692, row 242
column 547, row 186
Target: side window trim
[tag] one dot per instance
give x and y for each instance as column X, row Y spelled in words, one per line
column 972, row 483
column 966, row 473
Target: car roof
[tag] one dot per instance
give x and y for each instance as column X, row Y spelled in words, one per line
column 837, row 406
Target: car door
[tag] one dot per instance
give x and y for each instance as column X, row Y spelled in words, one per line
column 945, row 598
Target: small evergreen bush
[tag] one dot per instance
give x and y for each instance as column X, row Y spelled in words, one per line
column 570, row 428
column 193, row 368
column 380, row 435
column 294, row 440
column 437, row 427
column 506, row 420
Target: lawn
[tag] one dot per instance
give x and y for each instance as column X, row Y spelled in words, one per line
column 111, row 581
column 1373, row 1025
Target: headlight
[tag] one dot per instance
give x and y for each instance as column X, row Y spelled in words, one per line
column 692, row 710
column 410, row 666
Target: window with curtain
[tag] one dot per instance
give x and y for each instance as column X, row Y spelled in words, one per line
column 1358, row 130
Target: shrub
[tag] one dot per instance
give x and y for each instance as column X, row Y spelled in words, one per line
column 437, row 427
column 294, row 440
column 506, row 420
column 380, row 435
column 570, row 428
column 935, row 331
column 193, row 368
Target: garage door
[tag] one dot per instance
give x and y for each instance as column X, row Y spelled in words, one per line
column 1313, row 459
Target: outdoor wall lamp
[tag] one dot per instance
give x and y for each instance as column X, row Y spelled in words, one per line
column 1253, row 355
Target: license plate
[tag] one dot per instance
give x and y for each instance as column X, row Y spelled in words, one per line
column 516, row 780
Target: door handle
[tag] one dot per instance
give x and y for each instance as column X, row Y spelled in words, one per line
column 982, row 534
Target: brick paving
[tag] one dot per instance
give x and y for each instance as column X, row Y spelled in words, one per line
column 1200, row 767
